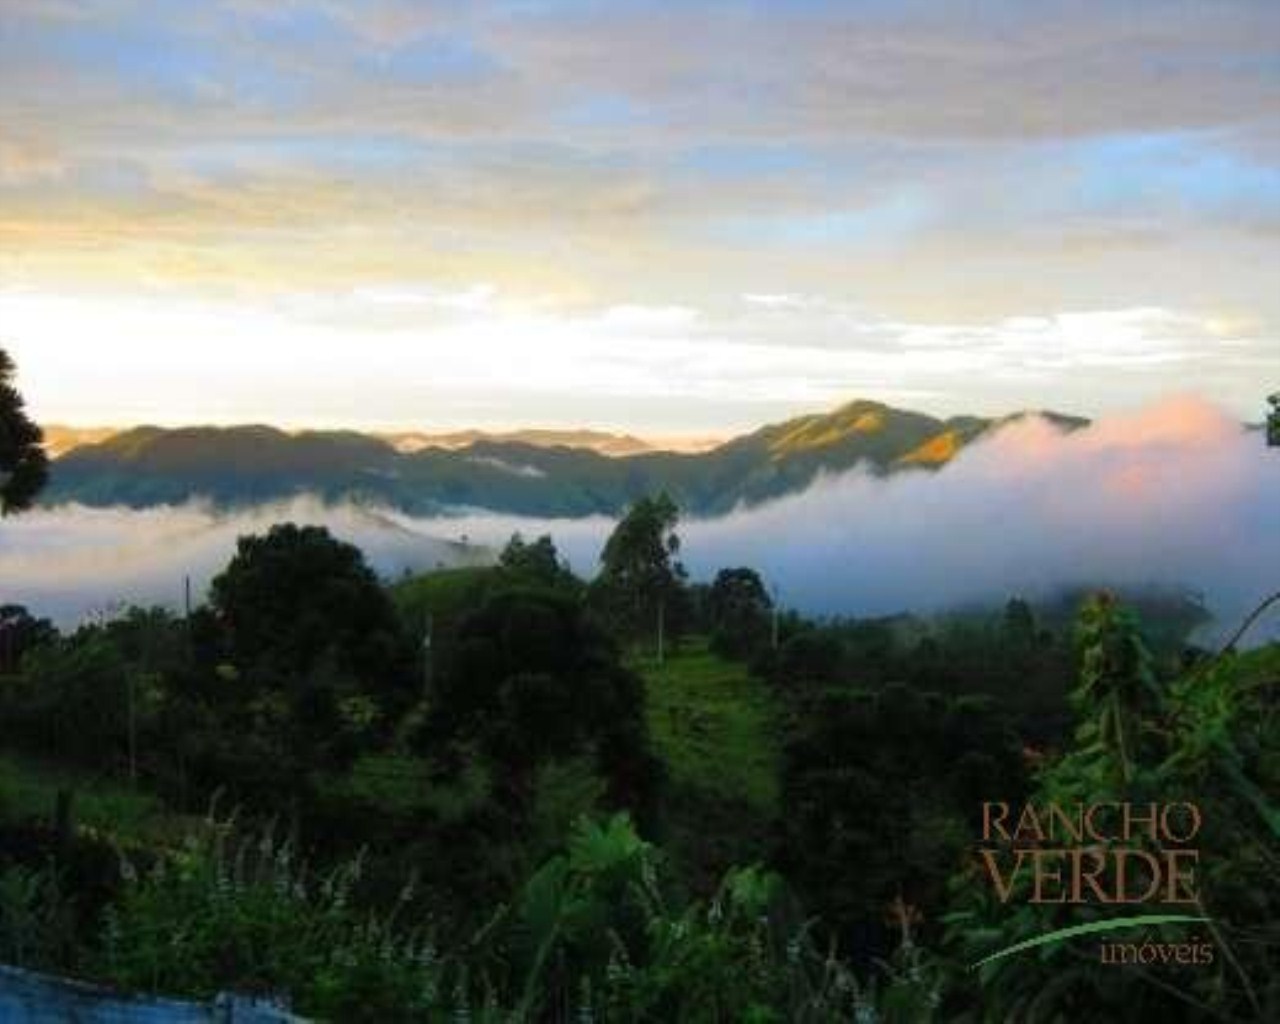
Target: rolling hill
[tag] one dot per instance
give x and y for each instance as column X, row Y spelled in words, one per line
column 59, row 440
column 595, row 440
column 236, row 466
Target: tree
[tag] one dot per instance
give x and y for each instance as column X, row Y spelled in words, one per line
column 534, row 561
column 877, row 789
column 641, row 576
column 296, row 595
column 70, row 700
column 1019, row 624
column 24, row 467
column 19, row 632
column 739, row 607
column 532, row 679
column 812, row 658
column 316, row 639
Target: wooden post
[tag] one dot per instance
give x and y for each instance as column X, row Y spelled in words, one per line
column 661, row 638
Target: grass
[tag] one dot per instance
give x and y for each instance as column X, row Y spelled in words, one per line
column 402, row 784
column 714, row 726
column 1259, row 666
column 29, row 788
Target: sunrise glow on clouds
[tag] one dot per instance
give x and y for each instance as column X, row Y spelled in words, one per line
column 663, row 217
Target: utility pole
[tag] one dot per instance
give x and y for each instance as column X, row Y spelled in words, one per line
column 426, row 655
column 774, row 638
column 6, row 634
column 186, row 596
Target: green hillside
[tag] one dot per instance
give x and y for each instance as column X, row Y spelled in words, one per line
column 716, row 729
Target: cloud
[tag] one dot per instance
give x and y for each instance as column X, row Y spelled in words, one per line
column 717, row 212
column 1174, row 495
column 21, row 163
column 472, row 299
column 429, row 351
column 775, row 301
column 74, row 563
column 651, row 153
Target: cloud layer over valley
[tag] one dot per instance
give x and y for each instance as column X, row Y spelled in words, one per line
column 1176, row 494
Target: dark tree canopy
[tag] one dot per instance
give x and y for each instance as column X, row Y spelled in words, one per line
column 533, row 678
column 296, row 595
column 878, row 787
column 1019, row 623
column 536, row 561
column 20, row 631
column 24, row 467
column 810, row 658
column 738, row 607
column 320, row 652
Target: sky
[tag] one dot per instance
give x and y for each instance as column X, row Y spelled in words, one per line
column 660, row 217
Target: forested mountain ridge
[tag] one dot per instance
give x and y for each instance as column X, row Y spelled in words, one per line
column 249, row 464
column 602, row 441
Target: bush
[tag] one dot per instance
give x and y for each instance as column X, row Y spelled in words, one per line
column 591, row 935
column 242, row 913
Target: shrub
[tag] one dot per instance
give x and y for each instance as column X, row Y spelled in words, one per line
column 242, row 913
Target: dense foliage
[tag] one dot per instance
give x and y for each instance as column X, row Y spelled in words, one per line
column 534, row 816
column 738, row 612
column 1212, row 737
column 24, row 468
column 533, row 679
column 882, row 792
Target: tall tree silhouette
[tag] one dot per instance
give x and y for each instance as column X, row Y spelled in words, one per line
column 639, row 567
column 24, row 468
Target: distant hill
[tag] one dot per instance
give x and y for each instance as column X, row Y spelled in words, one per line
column 518, row 473
column 594, row 440
column 58, row 439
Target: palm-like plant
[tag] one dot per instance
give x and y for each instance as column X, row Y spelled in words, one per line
column 1117, row 685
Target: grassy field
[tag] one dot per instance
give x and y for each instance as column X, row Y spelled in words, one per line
column 110, row 808
column 714, row 726
column 402, row 784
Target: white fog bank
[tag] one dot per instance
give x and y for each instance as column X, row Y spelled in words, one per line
column 1175, row 494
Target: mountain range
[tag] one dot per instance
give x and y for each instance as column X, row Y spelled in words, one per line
column 60, row 440
column 542, row 473
column 601, row 441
